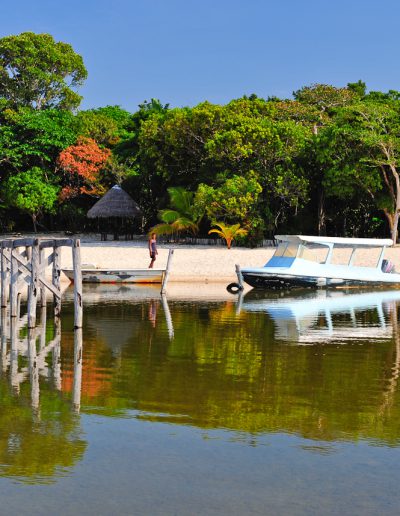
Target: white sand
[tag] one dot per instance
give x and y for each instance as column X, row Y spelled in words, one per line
column 201, row 264
column 196, row 263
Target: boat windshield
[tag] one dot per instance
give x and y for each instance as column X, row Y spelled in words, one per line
column 284, row 255
column 313, row 252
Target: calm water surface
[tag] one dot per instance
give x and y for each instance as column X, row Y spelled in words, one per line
column 287, row 404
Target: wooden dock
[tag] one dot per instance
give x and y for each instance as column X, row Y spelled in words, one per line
column 24, row 262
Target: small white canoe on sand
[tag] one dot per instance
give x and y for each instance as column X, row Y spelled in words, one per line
column 94, row 275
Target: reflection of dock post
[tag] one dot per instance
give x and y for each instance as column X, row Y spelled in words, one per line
column 3, row 339
column 166, row 274
column 239, row 302
column 76, row 396
column 14, row 355
column 168, row 317
column 33, row 369
column 56, row 353
column 78, row 308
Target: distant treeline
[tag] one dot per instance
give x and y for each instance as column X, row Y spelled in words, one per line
column 324, row 161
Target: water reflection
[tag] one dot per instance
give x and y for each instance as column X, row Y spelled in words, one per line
column 228, row 365
column 40, row 437
column 221, row 364
column 327, row 316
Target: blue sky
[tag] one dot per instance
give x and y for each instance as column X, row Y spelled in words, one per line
column 186, row 51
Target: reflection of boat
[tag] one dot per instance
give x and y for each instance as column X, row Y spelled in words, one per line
column 325, row 316
column 306, row 261
column 95, row 275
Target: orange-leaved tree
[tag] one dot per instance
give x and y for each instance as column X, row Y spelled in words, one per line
column 81, row 164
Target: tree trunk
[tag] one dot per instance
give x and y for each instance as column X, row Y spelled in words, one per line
column 34, row 218
column 390, row 218
column 321, row 214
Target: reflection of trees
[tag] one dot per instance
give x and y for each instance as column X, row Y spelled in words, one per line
column 39, row 434
column 226, row 370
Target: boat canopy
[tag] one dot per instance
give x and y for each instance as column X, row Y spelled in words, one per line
column 322, row 240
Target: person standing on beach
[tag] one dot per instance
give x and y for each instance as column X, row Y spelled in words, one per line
column 152, row 249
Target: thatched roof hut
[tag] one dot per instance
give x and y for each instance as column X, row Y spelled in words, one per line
column 115, row 203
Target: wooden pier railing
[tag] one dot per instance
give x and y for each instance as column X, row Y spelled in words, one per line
column 24, row 262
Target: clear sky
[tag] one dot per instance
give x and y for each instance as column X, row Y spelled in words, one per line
column 187, row 51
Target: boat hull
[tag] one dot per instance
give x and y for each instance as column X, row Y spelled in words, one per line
column 118, row 275
column 287, row 281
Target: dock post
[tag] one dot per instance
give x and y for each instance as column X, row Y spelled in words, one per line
column 76, row 260
column 42, row 274
column 5, row 279
column 14, row 284
column 239, row 276
column 56, row 272
column 166, row 275
column 34, row 286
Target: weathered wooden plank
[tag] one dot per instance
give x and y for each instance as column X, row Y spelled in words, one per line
column 56, row 242
column 22, row 242
column 78, row 304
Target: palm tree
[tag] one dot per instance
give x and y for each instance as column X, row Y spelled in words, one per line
column 228, row 233
column 184, row 216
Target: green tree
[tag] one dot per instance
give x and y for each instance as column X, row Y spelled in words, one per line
column 184, row 216
column 362, row 150
column 30, row 192
column 38, row 72
column 228, row 233
column 236, row 200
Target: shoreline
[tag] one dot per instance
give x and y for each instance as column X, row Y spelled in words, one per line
column 192, row 264
column 200, row 264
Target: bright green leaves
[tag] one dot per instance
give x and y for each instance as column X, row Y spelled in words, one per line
column 38, row 72
column 30, row 191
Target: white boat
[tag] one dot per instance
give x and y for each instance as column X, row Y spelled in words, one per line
column 96, row 275
column 308, row 261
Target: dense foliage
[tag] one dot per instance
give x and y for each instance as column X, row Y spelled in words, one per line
column 325, row 161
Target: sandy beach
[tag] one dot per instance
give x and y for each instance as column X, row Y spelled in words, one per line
column 190, row 263
column 204, row 264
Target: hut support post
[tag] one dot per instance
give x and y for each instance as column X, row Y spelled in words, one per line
column 166, row 275
column 78, row 307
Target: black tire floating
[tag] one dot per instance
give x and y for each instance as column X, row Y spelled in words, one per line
column 234, row 288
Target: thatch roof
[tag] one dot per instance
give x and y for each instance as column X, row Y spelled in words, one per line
column 115, row 203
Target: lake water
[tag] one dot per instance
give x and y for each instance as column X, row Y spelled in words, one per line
column 204, row 404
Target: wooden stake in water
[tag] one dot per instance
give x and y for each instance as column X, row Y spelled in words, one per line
column 166, row 275
column 78, row 306
column 239, row 276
